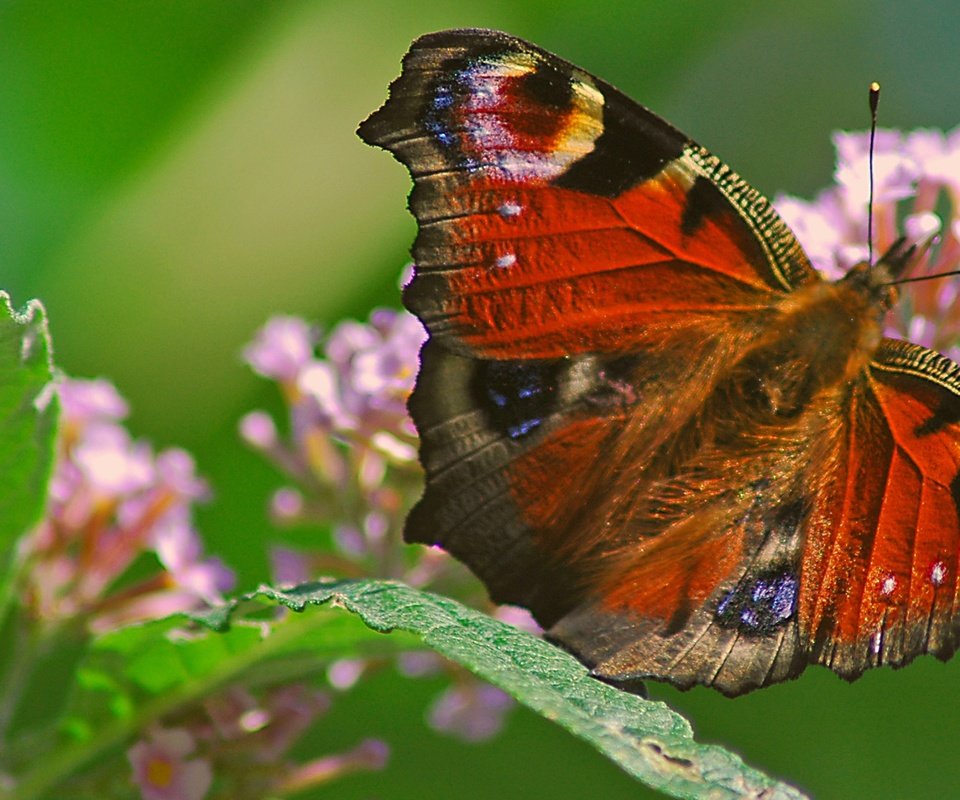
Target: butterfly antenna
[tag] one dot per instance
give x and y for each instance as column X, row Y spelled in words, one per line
column 923, row 278
column 874, row 102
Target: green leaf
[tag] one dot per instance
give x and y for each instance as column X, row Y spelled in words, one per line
column 28, row 414
column 139, row 674
column 645, row 738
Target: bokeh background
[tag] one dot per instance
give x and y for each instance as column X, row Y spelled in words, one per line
column 173, row 172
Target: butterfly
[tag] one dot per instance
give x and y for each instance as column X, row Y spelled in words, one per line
column 643, row 414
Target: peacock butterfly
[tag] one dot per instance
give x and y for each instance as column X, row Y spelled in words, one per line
column 643, row 414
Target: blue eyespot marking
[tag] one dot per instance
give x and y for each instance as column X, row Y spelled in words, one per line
column 516, row 395
column 760, row 604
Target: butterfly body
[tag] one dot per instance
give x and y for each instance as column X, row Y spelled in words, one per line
column 643, row 414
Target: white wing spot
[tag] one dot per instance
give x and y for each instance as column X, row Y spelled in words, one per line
column 888, row 585
column 938, row 573
column 510, row 209
column 506, row 260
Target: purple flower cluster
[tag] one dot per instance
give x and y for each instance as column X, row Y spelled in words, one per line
column 243, row 739
column 351, row 452
column 917, row 195
column 111, row 500
column 350, row 447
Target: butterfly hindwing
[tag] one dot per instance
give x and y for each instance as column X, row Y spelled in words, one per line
column 740, row 634
column 481, row 422
column 884, row 535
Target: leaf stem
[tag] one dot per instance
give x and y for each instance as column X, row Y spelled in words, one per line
column 26, row 649
column 9, row 581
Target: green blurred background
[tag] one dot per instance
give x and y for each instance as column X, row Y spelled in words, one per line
column 173, row 172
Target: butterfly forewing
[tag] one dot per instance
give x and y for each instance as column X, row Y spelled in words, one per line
column 559, row 217
column 642, row 413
